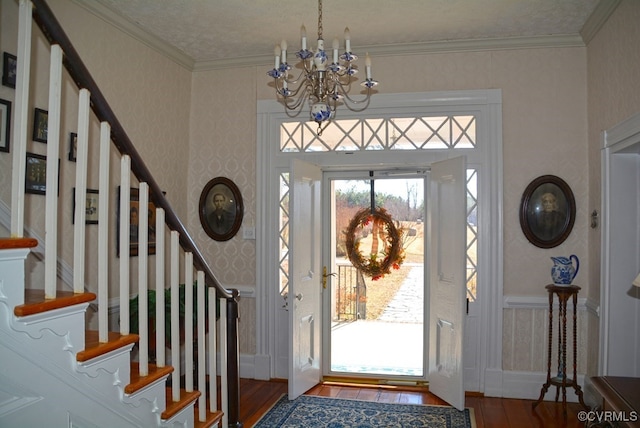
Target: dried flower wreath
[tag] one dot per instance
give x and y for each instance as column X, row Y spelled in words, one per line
column 393, row 253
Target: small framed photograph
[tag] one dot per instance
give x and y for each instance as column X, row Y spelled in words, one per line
column 5, row 125
column 36, row 174
column 221, row 209
column 547, row 211
column 40, row 125
column 9, row 66
column 73, row 146
column 91, row 207
column 135, row 211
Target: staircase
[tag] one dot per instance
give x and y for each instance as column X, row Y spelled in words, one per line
column 54, row 370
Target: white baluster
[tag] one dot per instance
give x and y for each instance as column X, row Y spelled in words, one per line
column 51, row 198
column 202, row 368
column 125, row 192
column 143, row 280
column 175, row 318
column 160, row 287
column 188, row 321
column 224, row 378
column 213, row 366
column 21, row 118
column 103, row 234
column 79, row 229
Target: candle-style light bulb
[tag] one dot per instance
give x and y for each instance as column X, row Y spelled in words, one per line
column 303, row 36
column 336, row 46
column 283, row 46
column 347, row 39
column 367, row 64
column 276, row 52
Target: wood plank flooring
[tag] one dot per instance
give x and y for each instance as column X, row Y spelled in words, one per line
column 256, row 397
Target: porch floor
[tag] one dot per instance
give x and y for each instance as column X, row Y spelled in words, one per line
column 377, row 347
column 391, row 345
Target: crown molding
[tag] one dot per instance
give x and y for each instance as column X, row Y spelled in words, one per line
column 598, row 17
column 448, row 46
column 132, row 29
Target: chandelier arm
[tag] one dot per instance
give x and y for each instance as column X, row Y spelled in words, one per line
column 297, row 79
column 354, row 102
column 292, row 104
column 290, row 94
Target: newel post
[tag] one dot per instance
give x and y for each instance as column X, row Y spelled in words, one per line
column 233, row 362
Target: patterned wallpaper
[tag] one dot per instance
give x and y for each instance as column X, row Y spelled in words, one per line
column 191, row 128
column 613, row 63
column 223, row 145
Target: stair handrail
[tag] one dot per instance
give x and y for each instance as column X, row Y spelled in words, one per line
column 52, row 30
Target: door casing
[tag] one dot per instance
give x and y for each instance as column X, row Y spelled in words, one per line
column 484, row 369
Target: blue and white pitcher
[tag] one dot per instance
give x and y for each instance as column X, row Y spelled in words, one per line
column 563, row 271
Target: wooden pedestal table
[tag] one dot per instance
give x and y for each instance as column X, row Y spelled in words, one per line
column 561, row 381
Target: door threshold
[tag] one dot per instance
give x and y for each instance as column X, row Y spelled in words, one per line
column 373, row 382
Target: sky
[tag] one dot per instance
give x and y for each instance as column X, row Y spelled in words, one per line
column 390, row 186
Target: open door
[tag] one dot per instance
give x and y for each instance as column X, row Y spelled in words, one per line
column 305, row 288
column 447, row 279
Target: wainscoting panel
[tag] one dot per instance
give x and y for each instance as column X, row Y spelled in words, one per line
column 525, row 334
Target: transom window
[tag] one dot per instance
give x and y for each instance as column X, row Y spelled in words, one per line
column 407, row 133
column 401, row 133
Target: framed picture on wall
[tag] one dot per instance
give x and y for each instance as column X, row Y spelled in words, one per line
column 547, row 211
column 5, row 125
column 73, row 146
column 221, row 209
column 40, row 125
column 9, row 66
column 36, row 174
column 91, row 206
column 135, row 211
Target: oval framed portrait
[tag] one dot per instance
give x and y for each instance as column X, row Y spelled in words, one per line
column 221, row 209
column 547, row 211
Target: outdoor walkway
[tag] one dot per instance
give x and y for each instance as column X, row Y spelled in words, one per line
column 407, row 304
column 391, row 345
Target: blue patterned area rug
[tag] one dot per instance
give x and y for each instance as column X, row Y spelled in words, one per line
column 312, row 411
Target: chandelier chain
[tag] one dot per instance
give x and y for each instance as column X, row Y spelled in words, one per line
column 319, row 19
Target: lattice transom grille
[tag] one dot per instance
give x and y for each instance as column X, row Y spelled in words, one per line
column 405, row 133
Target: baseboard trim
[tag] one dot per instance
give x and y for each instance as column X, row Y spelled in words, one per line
column 526, row 386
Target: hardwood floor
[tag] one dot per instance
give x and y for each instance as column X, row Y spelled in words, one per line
column 256, row 397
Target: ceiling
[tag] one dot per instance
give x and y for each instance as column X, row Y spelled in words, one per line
column 218, row 33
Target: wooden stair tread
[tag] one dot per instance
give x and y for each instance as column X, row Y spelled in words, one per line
column 12, row 243
column 94, row 348
column 173, row 407
column 35, row 302
column 138, row 382
column 211, row 419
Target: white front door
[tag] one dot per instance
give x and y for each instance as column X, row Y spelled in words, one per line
column 447, row 279
column 305, row 292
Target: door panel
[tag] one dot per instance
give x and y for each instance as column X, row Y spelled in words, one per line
column 447, row 287
column 306, row 276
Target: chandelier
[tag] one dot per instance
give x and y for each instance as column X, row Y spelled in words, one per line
column 322, row 84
